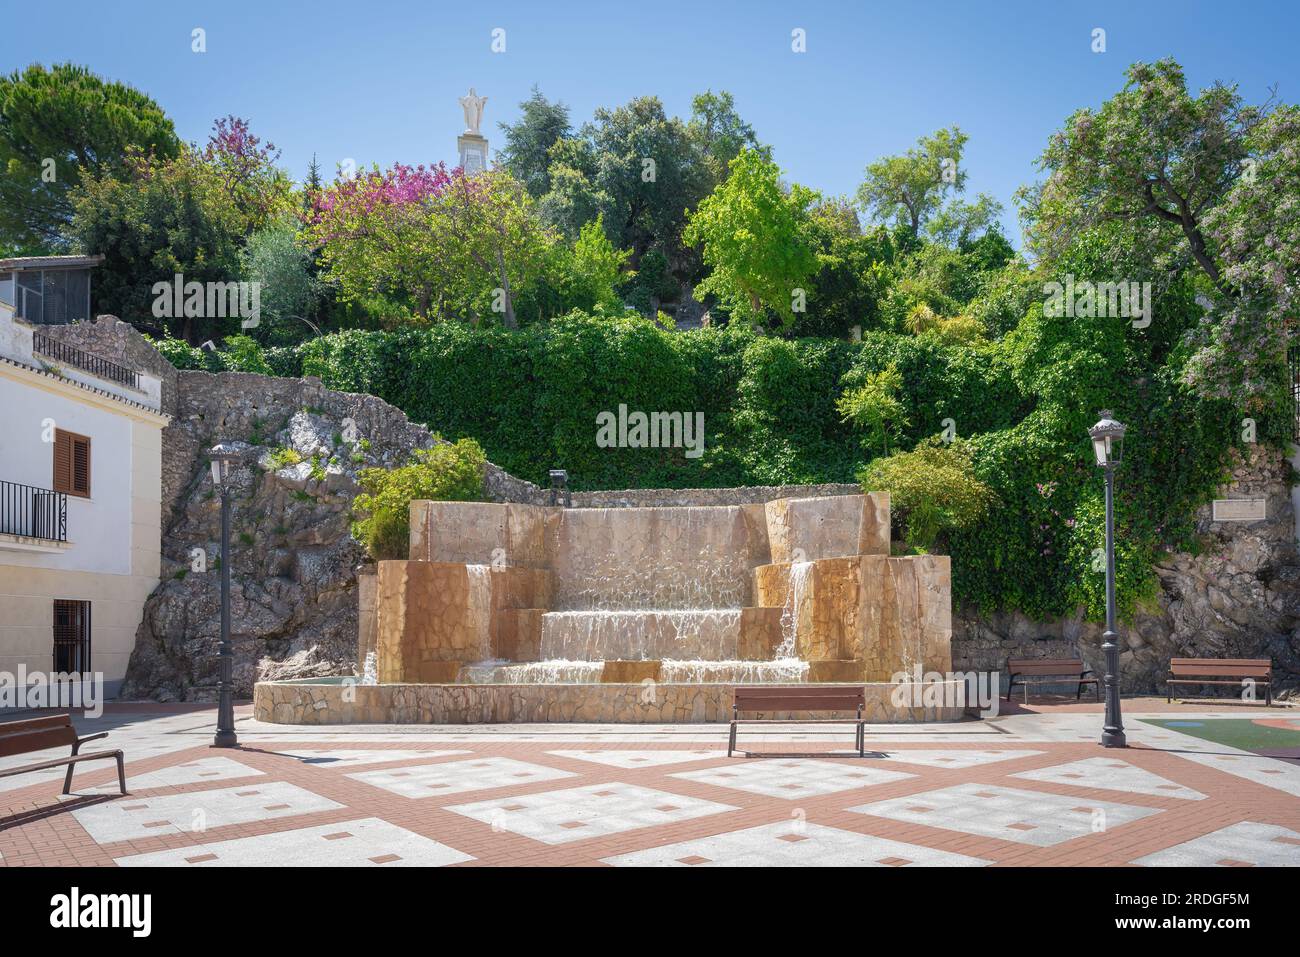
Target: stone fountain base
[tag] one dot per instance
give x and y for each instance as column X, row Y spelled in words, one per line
column 342, row 701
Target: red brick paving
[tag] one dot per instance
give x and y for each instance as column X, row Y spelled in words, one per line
column 37, row 829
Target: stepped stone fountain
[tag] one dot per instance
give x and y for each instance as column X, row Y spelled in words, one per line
column 512, row 612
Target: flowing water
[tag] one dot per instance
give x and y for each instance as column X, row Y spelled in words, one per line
column 641, row 584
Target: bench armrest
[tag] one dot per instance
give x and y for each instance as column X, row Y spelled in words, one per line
column 91, row 737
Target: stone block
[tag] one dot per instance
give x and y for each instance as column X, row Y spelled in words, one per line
column 630, row 672
column 430, row 611
column 760, row 634
column 807, row 529
column 835, row 671
column 479, row 533
column 517, row 633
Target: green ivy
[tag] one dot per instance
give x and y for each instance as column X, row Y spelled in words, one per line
column 1024, row 403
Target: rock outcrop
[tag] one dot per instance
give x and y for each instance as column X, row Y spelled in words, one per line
column 294, row 583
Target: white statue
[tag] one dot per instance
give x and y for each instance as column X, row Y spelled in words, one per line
column 472, row 104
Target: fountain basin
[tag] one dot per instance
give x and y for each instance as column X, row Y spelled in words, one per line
column 328, row 701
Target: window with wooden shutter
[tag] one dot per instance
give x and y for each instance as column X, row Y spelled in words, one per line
column 71, row 463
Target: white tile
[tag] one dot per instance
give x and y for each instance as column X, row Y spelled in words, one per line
column 1027, row 817
column 1269, row 772
column 1111, row 774
column 129, row 818
column 354, row 757
column 575, row 814
column 793, row 844
column 368, row 842
column 456, row 777
column 1263, row 845
column 191, row 772
column 793, row 778
column 641, row 759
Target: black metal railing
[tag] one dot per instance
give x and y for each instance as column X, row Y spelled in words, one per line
column 95, row 365
column 33, row 512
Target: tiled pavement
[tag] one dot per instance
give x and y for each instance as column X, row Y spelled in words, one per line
column 1020, row 789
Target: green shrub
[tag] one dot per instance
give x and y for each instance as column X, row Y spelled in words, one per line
column 932, row 490
column 243, row 354
column 284, row 457
column 448, row 472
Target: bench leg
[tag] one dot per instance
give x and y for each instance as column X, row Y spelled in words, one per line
column 862, row 740
column 731, row 739
column 1010, row 684
column 67, row 780
column 121, row 773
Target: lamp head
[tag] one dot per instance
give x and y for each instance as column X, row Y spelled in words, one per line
column 223, row 456
column 1107, row 440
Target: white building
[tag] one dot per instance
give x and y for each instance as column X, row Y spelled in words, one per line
column 80, row 493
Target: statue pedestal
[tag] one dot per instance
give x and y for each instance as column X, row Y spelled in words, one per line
column 473, row 150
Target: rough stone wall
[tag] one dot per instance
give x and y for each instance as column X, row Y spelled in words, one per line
column 110, row 338
column 1238, row 598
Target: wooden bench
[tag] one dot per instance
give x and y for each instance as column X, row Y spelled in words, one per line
column 812, row 697
column 1050, row 671
column 37, row 734
column 1220, row 671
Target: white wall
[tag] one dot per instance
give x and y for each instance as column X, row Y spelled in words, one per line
column 99, row 527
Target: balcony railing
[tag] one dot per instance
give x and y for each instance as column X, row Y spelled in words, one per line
column 33, row 512
column 95, row 365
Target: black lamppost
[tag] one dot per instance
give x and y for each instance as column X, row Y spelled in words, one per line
column 222, row 457
column 1108, row 446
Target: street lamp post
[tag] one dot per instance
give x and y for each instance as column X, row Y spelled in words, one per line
column 1108, row 447
column 222, row 458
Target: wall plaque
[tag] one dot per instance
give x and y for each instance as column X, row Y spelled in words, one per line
column 1240, row 509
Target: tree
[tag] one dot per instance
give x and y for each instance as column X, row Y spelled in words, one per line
column 59, row 126
column 910, row 189
column 720, row 133
column 636, row 165
column 756, row 240
column 961, row 223
column 598, row 267
column 1180, row 174
column 164, row 217
column 526, row 155
column 377, row 237
column 495, row 243
column 247, row 170
column 873, row 404
column 290, row 290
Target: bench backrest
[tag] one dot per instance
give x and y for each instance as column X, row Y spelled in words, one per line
column 810, row 697
column 36, row 734
column 1221, row 667
column 1045, row 666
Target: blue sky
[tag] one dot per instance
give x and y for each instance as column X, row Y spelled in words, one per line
column 377, row 81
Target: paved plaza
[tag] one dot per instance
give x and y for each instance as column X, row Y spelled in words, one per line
column 1026, row 788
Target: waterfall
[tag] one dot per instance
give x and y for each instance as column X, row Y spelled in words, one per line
column 480, row 606
column 796, row 594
